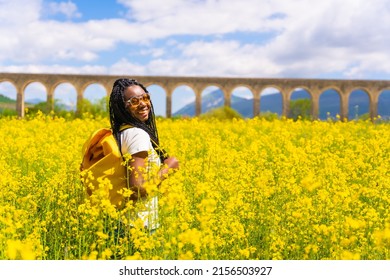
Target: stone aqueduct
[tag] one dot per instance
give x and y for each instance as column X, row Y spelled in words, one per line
column 256, row 85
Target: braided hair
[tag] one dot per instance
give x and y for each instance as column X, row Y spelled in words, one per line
column 119, row 115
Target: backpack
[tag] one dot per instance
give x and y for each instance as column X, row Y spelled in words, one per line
column 102, row 161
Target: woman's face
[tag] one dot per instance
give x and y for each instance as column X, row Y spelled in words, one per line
column 137, row 102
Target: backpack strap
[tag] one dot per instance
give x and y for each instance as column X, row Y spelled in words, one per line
column 125, row 126
column 161, row 152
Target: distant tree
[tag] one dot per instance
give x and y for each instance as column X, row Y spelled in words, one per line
column 300, row 108
column 98, row 108
column 268, row 115
column 59, row 108
column 364, row 117
column 41, row 106
column 221, row 113
column 6, row 112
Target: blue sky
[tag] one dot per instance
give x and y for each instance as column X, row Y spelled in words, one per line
column 346, row 39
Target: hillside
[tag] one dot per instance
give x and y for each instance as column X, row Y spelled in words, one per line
column 5, row 99
column 9, row 103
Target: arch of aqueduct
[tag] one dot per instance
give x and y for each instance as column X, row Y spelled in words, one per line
column 256, row 85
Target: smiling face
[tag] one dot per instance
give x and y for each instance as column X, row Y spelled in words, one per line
column 137, row 106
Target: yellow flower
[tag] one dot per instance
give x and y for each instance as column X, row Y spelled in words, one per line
column 347, row 255
column 250, row 188
column 17, row 249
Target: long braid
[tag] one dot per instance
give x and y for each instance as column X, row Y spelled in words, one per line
column 119, row 115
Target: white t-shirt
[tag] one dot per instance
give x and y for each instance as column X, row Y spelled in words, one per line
column 136, row 140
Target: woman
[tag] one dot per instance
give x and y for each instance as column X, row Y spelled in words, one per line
column 134, row 128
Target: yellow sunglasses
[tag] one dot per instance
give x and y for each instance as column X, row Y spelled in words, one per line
column 136, row 100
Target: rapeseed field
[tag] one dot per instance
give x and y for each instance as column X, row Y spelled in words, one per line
column 246, row 189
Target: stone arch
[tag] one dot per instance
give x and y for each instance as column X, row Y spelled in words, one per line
column 358, row 103
column 155, row 84
column 329, row 104
column 159, row 99
column 94, row 92
column 212, row 96
column 242, row 101
column 93, row 96
column 384, row 104
column 299, row 94
column 271, row 101
column 65, row 97
column 208, row 85
column 34, row 92
column 183, row 94
column 8, row 105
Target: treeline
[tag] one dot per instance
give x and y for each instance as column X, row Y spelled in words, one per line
column 300, row 109
column 97, row 108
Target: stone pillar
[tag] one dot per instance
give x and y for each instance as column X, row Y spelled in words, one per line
column 374, row 96
column 169, row 104
column 20, row 100
column 315, row 100
column 227, row 95
column 197, row 88
column 50, row 99
column 344, row 100
column 256, row 104
column 256, row 91
column 198, row 103
column 286, row 95
column 79, row 109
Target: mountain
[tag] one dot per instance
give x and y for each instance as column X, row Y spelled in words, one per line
column 329, row 103
column 34, row 101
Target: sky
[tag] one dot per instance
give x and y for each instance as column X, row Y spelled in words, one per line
column 327, row 39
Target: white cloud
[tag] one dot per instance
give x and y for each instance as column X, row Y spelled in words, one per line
column 331, row 36
column 213, row 58
column 69, row 9
column 124, row 67
column 347, row 37
column 154, row 52
column 201, row 17
column 16, row 14
column 55, row 68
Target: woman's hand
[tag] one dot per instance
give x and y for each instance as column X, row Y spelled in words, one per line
column 172, row 162
column 169, row 163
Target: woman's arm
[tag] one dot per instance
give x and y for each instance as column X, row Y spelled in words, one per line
column 136, row 177
column 137, row 171
column 169, row 163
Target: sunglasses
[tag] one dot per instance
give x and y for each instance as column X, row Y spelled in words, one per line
column 136, row 100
